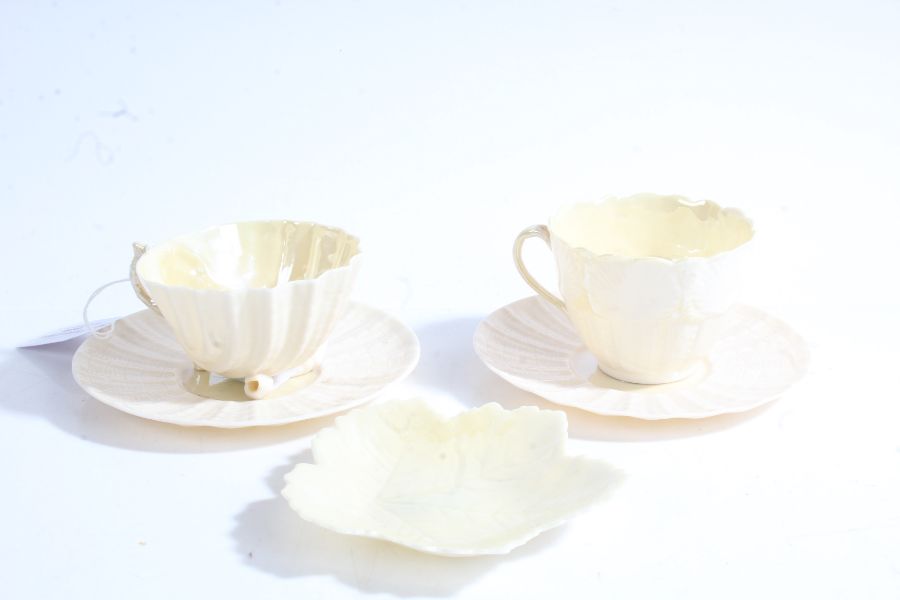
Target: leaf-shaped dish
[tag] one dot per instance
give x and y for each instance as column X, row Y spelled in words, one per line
column 483, row 482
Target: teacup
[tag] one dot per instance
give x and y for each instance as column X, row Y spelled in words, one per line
column 252, row 300
column 646, row 280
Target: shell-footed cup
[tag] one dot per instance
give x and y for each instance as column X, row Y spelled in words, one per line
column 252, row 300
column 646, row 280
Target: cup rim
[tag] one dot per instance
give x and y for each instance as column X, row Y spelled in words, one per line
column 612, row 257
column 329, row 272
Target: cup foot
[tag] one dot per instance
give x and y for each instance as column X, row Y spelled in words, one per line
column 260, row 386
column 209, row 385
column 657, row 379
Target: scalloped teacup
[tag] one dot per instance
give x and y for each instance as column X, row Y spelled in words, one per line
column 252, row 300
column 645, row 280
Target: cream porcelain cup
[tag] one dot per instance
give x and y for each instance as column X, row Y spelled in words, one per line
column 253, row 300
column 645, row 280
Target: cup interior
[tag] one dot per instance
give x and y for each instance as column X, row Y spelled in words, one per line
column 261, row 254
column 652, row 225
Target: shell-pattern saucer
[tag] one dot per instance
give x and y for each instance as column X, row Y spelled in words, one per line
column 532, row 344
column 140, row 369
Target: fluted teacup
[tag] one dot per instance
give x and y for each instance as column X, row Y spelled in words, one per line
column 251, row 300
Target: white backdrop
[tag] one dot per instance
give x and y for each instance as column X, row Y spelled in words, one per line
column 436, row 131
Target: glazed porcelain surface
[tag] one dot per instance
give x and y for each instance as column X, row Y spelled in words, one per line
column 483, row 482
column 531, row 344
column 647, row 280
column 141, row 369
column 255, row 298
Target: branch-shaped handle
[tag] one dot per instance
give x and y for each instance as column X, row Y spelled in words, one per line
column 139, row 289
column 542, row 232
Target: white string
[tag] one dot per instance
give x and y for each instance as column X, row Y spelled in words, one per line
column 104, row 332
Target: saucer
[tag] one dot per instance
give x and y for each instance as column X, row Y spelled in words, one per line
column 140, row 369
column 482, row 482
column 532, row 345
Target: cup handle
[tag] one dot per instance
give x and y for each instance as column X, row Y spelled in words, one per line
column 542, row 232
column 139, row 289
